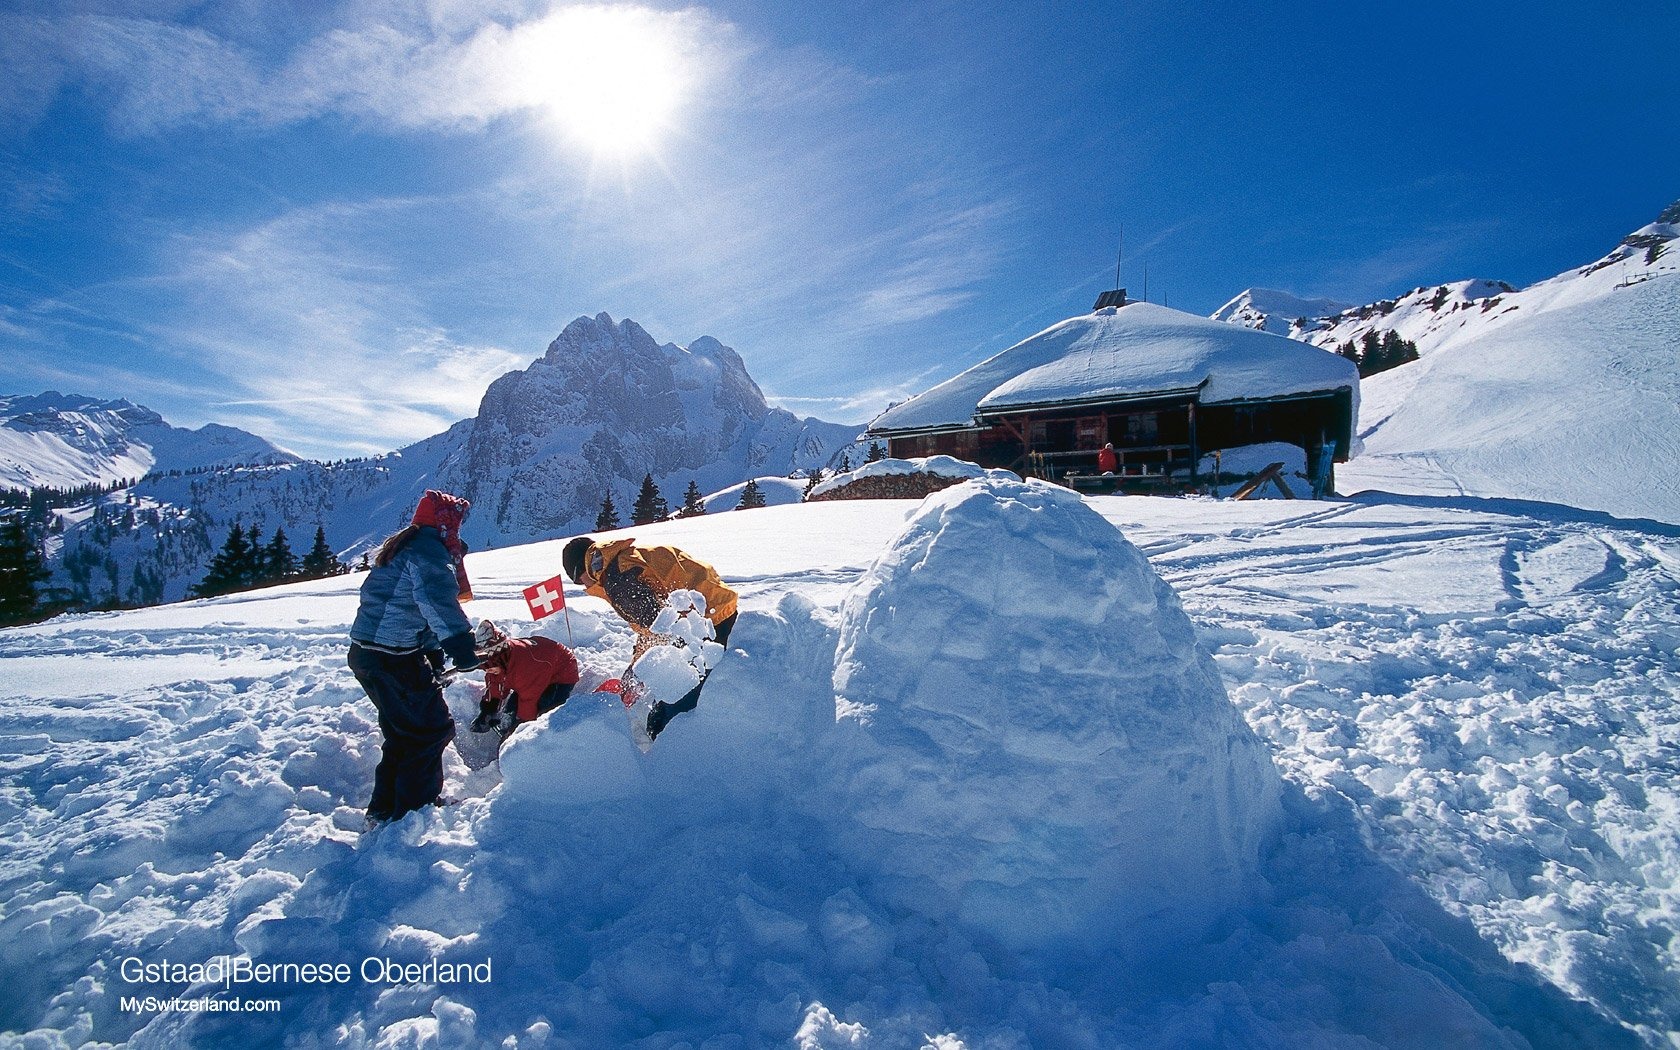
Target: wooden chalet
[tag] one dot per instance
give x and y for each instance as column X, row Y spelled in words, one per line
column 1164, row 387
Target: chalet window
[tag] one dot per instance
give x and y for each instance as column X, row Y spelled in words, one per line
column 1142, row 428
column 1051, row 435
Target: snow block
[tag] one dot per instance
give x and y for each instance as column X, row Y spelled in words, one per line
column 1039, row 750
column 578, row 755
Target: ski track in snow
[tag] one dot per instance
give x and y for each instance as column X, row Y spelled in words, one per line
column 1517, row 757
column 1474, row 712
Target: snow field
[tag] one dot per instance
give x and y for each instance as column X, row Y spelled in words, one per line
column 1472, row 713
column 1505, row 733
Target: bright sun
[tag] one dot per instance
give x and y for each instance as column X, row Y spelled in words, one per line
column 612, row 78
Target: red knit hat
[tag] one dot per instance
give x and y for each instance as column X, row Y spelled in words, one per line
column 442, row 511
column 445, row 512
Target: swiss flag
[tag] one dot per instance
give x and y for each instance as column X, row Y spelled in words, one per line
column 546, row 598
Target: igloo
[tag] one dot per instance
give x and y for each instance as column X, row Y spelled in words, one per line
column 1034, row 745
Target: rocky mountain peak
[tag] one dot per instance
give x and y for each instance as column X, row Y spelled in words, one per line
column 605, row 405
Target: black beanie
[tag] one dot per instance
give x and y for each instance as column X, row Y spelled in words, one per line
column 571, row 557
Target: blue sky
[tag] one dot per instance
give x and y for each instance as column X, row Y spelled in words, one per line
column 335, row 224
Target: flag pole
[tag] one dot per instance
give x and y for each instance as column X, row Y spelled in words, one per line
column 565, row 610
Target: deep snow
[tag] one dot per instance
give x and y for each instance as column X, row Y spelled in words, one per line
column 1471, row 705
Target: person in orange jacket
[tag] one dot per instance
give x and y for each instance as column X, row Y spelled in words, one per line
column 524, row 678
column 636, row 579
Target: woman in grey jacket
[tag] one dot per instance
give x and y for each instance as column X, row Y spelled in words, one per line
column 409, row 617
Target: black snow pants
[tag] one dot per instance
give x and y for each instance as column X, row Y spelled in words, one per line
column 416, row 725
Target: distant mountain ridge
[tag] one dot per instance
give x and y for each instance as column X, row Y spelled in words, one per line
column 605, row 405
column 69, row 440
column 1434, row 315
column 1270, row 310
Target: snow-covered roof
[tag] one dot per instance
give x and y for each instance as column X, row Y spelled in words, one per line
column 1125, row 353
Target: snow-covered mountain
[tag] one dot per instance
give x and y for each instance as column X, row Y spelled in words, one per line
column 68, row 441
column 605, row 406
column 1580, row 367
column 1270, row 310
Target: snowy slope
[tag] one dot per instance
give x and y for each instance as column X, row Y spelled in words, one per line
column 1564, row 391
column 1473, row 712
column 1425, row 316
column 1577, row 404
column 777, row 492
column 67, row 441
column 1445, row 314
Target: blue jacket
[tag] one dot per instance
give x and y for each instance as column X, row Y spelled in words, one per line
column 410, row 602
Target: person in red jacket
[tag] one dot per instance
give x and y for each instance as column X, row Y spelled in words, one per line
column 1107, row 459
column 524, row 678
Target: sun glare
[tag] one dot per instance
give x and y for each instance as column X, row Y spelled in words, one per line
column 612, row 78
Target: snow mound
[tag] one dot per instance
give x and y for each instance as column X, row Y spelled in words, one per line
column 928, row 467
column 1249, row 460
column 777, row 492
column 1040, row 751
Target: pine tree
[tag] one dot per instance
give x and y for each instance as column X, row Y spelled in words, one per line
column 320, row 562
column 693, row 503
column 21, row 571
column 276, row 563
column 845, row 466
column 232, row 569
column 608, row 518
column 751, row 497
column 1408, row 352
column 814, row 480
column 876, row 453
column 650, row 506
column 1349, row 351
column 1370, row 354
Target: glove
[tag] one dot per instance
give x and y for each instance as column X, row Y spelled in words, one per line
column 503, row 720
column 461, row 652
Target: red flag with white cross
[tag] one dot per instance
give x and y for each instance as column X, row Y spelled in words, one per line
column 546, row 598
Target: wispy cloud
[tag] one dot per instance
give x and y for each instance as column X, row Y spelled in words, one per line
column 856, row 407
column 443, row 66
column 297, row 316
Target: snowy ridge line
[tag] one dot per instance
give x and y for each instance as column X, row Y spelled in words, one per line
column 1477, row 736
column 547, row 445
